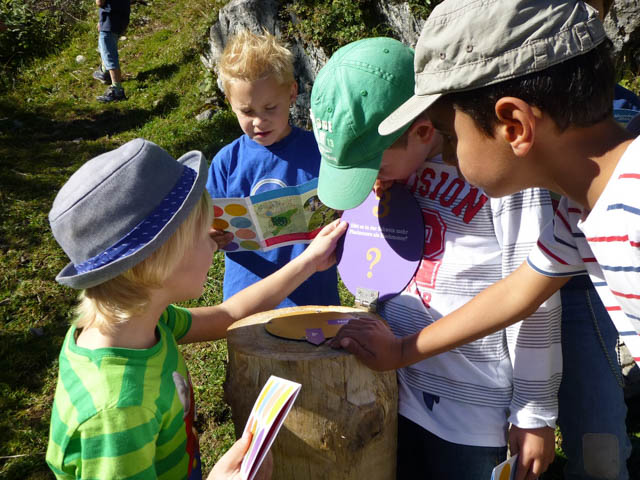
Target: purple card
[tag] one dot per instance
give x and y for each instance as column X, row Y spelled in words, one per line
column 339, row 321
column 315, row 335
column 383, row 244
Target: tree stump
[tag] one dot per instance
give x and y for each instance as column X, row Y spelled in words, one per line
column 343, row 425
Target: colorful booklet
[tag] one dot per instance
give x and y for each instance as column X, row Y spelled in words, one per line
column 272, row 219
column 266, row 418
column 506, row 470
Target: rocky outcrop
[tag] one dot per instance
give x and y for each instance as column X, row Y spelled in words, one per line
column 622, row 25
column 623, row 28
column 398, row 16
column 256, row 15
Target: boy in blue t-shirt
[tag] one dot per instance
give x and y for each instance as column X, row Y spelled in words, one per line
column 257, row 75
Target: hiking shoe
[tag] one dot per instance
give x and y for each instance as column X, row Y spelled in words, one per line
column 103, row 77
column 112, row 94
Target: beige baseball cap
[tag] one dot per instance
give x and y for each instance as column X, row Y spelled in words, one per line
column 468, row 44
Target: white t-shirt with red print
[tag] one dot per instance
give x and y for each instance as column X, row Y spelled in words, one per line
column 469, row 395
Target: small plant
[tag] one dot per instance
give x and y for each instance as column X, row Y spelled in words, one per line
column 334, row 23
column 30, row 29
column 422, row 8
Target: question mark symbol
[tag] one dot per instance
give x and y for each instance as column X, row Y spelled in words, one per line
column 373, row 255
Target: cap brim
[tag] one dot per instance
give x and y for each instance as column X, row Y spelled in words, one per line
column 406, row 112
column 346, row 188
column 69, row 276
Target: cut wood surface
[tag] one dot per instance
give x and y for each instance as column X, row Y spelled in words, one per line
column 343, row 424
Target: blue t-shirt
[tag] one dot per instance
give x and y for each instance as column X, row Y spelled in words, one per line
column 244, row 168
column 114, row 16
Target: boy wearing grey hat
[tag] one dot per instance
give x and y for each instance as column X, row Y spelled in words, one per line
column 135, row 224
column 530, row 84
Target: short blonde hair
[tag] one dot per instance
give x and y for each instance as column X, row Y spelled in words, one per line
column 117, row 300
column 249, row 56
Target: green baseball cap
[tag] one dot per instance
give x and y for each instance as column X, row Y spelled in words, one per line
column 360, row 85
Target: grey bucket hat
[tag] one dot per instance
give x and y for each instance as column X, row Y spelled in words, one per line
column 121, row 206
column 469, row 44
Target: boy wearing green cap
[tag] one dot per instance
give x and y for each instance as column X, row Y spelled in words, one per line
column 531, row 83
column 458, row 404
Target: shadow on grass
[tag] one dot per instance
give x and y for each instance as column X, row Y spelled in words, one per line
column 42, row 125
column 27, row 356
column 162, row 72
column 25, row 373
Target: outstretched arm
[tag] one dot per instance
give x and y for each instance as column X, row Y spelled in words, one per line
column 503, row 303
column 211, row 323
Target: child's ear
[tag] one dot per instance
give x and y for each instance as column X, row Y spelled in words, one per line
column 294, row 93
column 517, row 123
column 423, row 129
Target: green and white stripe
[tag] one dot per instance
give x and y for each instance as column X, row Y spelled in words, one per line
column 116, row 411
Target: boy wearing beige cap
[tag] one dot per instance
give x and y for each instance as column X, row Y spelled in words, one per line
column 530, row 84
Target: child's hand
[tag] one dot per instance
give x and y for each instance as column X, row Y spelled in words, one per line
column 381, row 186
column 371, row 341
column 221, row 237
column 536, row 449
column 228, row 467
column 321, row 252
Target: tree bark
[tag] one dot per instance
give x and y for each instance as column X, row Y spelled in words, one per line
column 343, row 424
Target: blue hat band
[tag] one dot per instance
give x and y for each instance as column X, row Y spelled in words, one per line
column 147, row 229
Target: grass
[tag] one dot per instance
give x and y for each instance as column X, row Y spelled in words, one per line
column 50, row 124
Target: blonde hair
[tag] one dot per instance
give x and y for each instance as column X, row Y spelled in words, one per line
column 117, row 300
column 249, row 56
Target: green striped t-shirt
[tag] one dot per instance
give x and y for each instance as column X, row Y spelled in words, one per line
column 125, row 413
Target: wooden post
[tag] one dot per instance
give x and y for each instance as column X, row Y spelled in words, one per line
column 343, row 424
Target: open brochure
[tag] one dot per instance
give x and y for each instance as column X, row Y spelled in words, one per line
column 266, row 418
column 506, row 470
column 272, row 219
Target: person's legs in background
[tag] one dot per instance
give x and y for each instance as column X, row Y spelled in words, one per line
column 592, row 409
column 108, row 45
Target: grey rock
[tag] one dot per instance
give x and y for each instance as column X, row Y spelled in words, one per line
column 623, row 28
column 206, row 115
column 398, row 16
column 37, row 331
column 256, row 15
